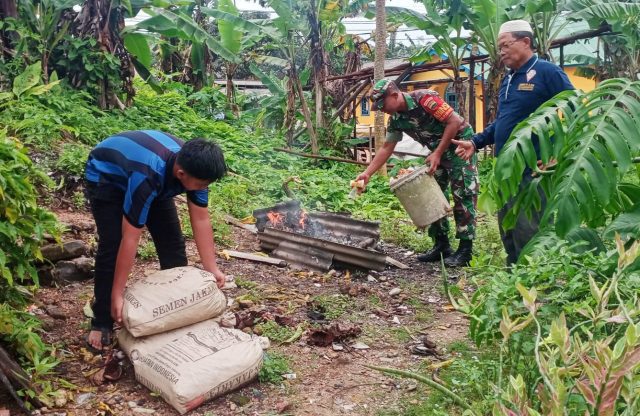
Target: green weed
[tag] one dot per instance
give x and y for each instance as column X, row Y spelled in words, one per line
column 78, row 200
column 273, row 367
column 147, row 250
column 72, row 159
column 243, row 283
column 274, row 332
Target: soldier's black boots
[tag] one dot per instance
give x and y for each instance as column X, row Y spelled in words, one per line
column 441, row 247
column 462, row 256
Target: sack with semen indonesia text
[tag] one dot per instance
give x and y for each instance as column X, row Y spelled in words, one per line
column 190, row 365
column 170, row 299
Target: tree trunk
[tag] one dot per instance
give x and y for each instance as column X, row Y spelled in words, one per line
column 305, row 111
column 13, row 377
column 231, row 91
column 319, row 104
column 99, row 20
column 8, row 8
column 494, row 79
column 458, row 87
column 378, row 72
column 318, row 61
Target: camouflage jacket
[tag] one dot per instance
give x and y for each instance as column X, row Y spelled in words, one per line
column 425, row 119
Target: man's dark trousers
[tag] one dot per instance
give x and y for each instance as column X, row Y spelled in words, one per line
column 163, row 225
column 515, row 239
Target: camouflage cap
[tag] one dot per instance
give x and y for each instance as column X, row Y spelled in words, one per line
column 378, row 92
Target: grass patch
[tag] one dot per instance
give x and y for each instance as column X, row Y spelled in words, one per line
column 401, row 335
column 424, row 314
column 375, row 301
column 334, row 306
column 467, row 376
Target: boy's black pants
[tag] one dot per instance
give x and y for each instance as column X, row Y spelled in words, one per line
column 163, row 225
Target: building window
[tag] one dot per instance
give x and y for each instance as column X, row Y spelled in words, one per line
column 451, row 97
column 452, row 100
column 364, row 106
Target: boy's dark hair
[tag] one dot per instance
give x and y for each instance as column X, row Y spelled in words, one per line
column 524, row 34
column 202, row 159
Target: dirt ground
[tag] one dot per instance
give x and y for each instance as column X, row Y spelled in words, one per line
column 326, row 382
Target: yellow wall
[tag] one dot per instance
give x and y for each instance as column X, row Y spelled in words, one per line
column 581, row 83
column 366, row 121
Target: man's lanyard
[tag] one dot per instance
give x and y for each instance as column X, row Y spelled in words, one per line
column 506, row 93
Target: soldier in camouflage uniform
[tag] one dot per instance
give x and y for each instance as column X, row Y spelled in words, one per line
column 424, row 116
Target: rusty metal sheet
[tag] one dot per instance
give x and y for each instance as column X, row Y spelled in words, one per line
column 369, row 259
column 303, row 256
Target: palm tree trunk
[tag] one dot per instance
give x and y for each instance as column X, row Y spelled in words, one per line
column 378, row 72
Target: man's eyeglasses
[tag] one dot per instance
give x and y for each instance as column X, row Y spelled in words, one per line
column 507, row 45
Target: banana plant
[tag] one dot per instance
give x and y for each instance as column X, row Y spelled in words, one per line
column 624, row 18
column 47, row 19
column 593, row 140
column 237, row 35
column 483, row 18
column 548, row 19
column 284, row 33
column 445, row 21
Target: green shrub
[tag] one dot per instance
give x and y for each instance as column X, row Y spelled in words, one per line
column 72, row 159
column 23, row 225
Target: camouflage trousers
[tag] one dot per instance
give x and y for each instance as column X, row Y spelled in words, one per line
column 458, row 177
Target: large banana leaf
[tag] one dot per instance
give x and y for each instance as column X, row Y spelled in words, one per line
column 272, row 84
column 176, row 24
column 592, row 136
column 230, row 34
column 604, row 10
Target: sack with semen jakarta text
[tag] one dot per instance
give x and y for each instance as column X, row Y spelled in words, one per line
column 170, row 299
column 193, row 364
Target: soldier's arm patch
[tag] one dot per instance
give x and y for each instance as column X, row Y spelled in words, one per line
column 434, row 105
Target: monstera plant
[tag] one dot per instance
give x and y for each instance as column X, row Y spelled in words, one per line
column 592, row 140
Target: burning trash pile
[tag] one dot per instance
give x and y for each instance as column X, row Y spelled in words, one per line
column 318, row 240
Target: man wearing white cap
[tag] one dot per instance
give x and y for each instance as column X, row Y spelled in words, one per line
column 530, row 82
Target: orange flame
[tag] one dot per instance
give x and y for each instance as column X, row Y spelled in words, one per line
column 303, row 219
column 275, row 218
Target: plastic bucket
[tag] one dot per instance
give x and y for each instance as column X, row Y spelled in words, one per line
column 421, row 197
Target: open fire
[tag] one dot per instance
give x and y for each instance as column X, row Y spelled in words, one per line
column 318, row 239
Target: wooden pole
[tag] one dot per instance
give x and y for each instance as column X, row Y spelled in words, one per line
column 307, row 116
column 336, row 159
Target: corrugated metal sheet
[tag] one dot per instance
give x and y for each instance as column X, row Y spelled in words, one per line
column 303, row 256
column 327, row 237
column 369, row 259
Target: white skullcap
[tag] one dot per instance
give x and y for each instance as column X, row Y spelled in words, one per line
column 515, row 26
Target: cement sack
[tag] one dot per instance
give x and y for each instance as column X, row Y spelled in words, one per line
column 190, row 365
column 171, row 299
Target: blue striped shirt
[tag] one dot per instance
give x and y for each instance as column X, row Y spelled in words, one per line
column 140, row 164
